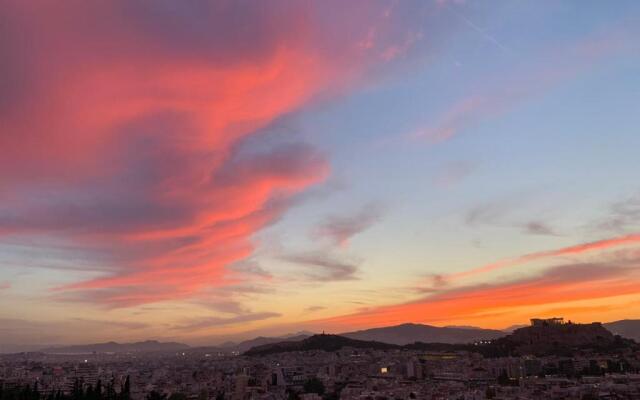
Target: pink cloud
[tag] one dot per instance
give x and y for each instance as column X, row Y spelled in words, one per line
column 125, row 130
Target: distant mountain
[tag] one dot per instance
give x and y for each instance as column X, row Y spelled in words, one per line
column 19, row 348
column 628, row 328
column 411, row 333
column 512, row 328
column 303, row 334
column 113, row 347
column 463, row 326
column 317, row 342
column 558, row 340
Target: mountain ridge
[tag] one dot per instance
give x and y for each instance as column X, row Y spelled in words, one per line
column 560, row 339
column 628, row 328
column 402, row 334
column 408, row 333
column 146, row 346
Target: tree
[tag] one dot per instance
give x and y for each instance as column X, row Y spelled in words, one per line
column 177, row 396
column 98, row 389
column 503, row 378
column 77, row 393
column 314, row 385
column 154, row 395
column 125, row 393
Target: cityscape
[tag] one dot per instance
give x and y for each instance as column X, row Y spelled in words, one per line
column 319, row 200
column 550, row 359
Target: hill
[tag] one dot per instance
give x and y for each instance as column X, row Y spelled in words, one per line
column 411, row 333
column 260, row 341
column 318, row 342
column 559, row 340
column 114, row 347
column 628, row 328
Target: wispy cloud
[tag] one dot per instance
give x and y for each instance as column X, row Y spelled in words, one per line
column 312, row 309
column 509, row 213
column 623, row 216
column 539, row 228
column 629, row 240
column 133, row 325
column 249, row 267
column 488, row 213
column 225, row 306
column 213, row 322
column 341, row 228
column 322, row 267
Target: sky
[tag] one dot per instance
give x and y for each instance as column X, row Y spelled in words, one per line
column 209, row 170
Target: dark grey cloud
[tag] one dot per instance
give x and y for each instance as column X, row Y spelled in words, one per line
column 508, row 213
column 322, row 267
column 119, row 324
column 539, row 228
column 488, row 213
column 225, row 306
column 341, row 228
column 622, row 216
column 211, row 322
column 250, row 267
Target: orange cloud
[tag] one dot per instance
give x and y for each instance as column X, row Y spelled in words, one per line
column 560, row 284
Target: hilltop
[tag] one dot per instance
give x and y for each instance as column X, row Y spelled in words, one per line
column 557, row 339
column 410, row 333
column 561, row 340
column 262, row 340
column 321, row 342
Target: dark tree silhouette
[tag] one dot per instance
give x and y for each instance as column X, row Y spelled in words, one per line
column 154, row 395
column 314, row 385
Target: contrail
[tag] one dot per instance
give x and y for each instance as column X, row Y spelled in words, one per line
column 481, row 31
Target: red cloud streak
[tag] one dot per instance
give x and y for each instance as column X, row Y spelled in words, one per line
column 566, row 251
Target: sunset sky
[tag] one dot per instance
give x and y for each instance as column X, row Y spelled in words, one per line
column 208, row 170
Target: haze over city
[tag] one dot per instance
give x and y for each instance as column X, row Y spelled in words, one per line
column 200, row 171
